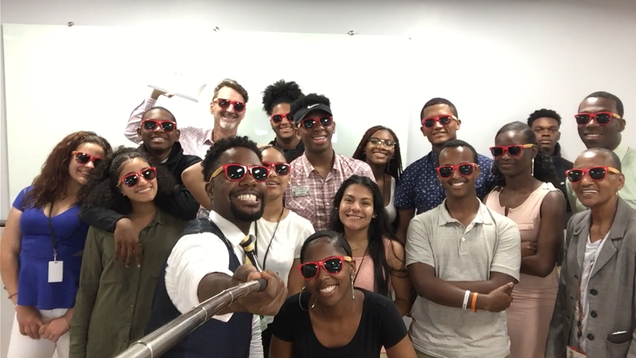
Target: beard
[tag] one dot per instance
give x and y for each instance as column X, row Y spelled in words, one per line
column 244, row 216
column 225, row 125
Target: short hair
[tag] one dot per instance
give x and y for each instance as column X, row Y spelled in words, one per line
column 460, row 143
column 233, row 85
column 607, row 95
column 308, row 100
column 544, row 113
column 438, row 100
column 214, row 153
column 394, row 168
column 332, row 237
column 616, row 161
column 280, row 92
column 161, row 109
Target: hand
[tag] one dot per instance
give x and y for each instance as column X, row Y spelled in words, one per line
column 267, row 302
column 126, row 243
column 156, row 93
column 528, row 248
column 29, row 320
column 54, row 329
column 498, row 299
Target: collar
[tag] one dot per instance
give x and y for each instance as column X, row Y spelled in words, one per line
column 308, row 167
column 175, row 153
column 159, row 219
column 620, row 225
column 433, row 158
column 482, row 217
column 231, row 231
column 621, row 150
column 207, row 137
column 557, row 151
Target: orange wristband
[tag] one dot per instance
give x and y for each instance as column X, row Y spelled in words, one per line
column 473, row 302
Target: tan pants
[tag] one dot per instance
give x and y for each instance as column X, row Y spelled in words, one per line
column 422, row 355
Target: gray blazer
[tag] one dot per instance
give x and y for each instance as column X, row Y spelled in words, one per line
column 611, row 290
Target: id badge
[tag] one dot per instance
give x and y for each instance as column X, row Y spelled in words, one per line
column 302, row 190
column 56, row 271
column 574, row 353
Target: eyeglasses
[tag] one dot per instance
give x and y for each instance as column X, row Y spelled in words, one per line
column 309, row 123
column 378, row 142
column 595, row 173
column 132, row 179
column 152, row 124
column 464, row 169
column 236, row 172
column 332, row 265
column 602, row 118
column 514, row 150
column 443, row 120
column 83, row 158
column 226, row 103
column 281, row 169
column 277, row 118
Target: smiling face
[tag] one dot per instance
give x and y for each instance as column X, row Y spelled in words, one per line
column 157, row 140
column 356, row 207
column 237, row 201
column 227, row 118
column 145, row 190
column 286, row 128
column 318, row 138
column 379, row 153
column 329, row 289
column 276, row 184
column 594, row 135
column 593, row 193
column 457, row 185
column 439, row 134
column 79, row 172
column 510, row 165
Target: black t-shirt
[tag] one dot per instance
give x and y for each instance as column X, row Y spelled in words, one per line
column 380, row 325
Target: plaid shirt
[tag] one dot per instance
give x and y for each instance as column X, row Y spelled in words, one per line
column 194, row 141
column 311, row 196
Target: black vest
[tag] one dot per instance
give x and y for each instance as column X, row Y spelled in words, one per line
column 213, row 339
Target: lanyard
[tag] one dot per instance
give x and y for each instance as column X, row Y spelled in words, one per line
column 53, row 233
column 579, row 324
column 270, row 240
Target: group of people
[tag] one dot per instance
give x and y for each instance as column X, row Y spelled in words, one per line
column 109, row 244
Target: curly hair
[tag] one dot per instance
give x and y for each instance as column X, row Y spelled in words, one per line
column 544, row 113
column 280, row 92
column 394, row 168
column 50, row 185
column 543, row 169
column 214, row 153
column 379, row 228
column 102, row 191
column 308, row 100
column 228, row 82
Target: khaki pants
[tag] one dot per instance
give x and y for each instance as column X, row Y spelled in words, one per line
column 422, row 355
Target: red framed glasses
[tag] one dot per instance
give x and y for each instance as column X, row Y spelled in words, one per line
column 309, row 123
column 602, row 118
column 281, row 169
column 332, row 265
column 84, row 158
column 277, row 118
column 595, row 173
column 514, row 150
column 444, row 120
column 226, row 103
column 236, row 172
column 464, row 169
column 152, row 124
column 132, row 179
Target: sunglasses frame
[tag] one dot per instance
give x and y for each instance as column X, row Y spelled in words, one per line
column 272, row 167
column 456, row 169
column 586, row 171
column 592, row 116
column 246, row 168
column 321, row 265
column 280, row 117
column 90, row 158
column 159, row 123
column 382, row 142
column 506, row 149
column 438, row 120
column 316, row 120
column 230, row 103
column 138, row 175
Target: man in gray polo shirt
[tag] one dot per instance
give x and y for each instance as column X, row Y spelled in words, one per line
column 461, row 257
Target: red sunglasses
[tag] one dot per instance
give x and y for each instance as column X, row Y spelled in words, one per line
column 83, row 158
column 443, row 120
column 277, row 118
column 331, row 265
column 602, row 118
column 236, row 172
column 152, row 124
column 514, row 150
column 464, row 169
column 132, row 179
column 226, row 103
column 595, row 173
column 309, row 123
column 281, row 169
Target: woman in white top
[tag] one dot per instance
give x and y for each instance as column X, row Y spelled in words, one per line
column 280, row 233
column 380, row 148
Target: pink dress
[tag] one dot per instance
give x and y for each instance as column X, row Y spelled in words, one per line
column 531, row 310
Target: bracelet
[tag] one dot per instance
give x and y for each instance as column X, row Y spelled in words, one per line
column 473, row 306
column 466, row 296
column 11, row 296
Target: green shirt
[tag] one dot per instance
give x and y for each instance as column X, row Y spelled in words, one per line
column 113, row 302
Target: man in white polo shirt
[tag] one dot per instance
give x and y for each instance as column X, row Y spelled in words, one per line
column 461, row 257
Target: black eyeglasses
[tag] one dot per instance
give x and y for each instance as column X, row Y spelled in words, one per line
column 309, row 123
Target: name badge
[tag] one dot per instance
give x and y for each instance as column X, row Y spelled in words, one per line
column 574, row 353
column 56, row 271
column 302, row 190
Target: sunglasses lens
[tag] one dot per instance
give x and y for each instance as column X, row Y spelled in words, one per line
column 239, row 107
column 515, row 150
column 603, row 118
column 277, row 118
column 309, row 123
column 333, row 265
column 465, row 169
column 575, row 175
column 445, row 120
column 325, row 121
column 82, row 158
column 582, row 119
column 234, row 172
column 282, row 169
column 309, row 270
column 260, row 173
column 429, row 123
column 149, row 174
column 150, row 125
column 446, row 172
column 167, row 126
column 131, row 180
column 496, row 151
column 597, row 173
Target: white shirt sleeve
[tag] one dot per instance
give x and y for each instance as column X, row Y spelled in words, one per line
column 193, row 257
column 256, row 345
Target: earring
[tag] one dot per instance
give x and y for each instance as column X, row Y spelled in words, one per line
column 353, row 291
column 300, row 303
column 532, row 168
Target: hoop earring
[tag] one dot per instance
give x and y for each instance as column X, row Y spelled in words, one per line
column 353, row 291
column 300, row 303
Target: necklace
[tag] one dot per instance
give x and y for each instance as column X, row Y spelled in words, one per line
column 355, row 277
